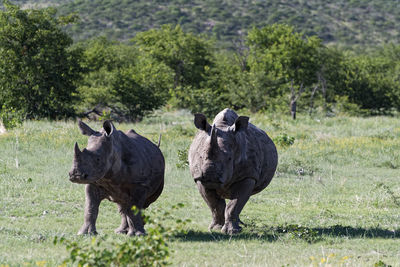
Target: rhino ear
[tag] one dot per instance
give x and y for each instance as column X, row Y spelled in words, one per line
column 241, row 124
column 200, row 121
column 85, row 129
column 108, row 127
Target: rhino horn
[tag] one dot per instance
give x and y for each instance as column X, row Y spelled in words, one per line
column 77, row 151
column 213, row 136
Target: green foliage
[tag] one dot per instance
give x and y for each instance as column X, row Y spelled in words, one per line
column 292, row 231
column 381, row 264
column 10, row 118
column 297, row 231
column 148, row 250
column 182, row 159
column 190, row 59
column 342, row 105
column 122, row 81
column 371, row 83
column 281, row 63
column 37, row 65
column 284, row 140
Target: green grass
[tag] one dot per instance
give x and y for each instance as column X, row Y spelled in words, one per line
column 335, row 199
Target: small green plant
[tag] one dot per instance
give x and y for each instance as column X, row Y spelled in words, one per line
column 297, row 231
column 148, row 250
column 387, row 190
column 284, row 140
column 10, row 118
column 182, row 158
column 381, row 264
column 105, row 115
column 294, row 231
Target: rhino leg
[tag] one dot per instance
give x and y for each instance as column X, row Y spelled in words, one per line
column 240, row 194
column 216, row 205
column 124, row 227
column 94, row 195
column 135, row 221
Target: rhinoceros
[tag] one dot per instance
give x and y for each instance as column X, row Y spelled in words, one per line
column 232, row 159
column 125, row 168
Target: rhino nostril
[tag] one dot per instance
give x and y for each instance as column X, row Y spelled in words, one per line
column 84, row 175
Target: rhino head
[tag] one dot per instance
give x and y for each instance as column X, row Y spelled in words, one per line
column 94, row 161
column 215, row 151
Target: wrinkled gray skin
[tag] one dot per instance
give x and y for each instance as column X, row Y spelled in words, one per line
column 125, row 168
column 233, row 159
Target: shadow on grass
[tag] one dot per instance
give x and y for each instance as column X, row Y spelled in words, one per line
column 308, row 234
column 356, row 232
column 198, row 236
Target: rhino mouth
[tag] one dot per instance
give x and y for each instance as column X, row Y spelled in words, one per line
column 80, row 178
column 212, row 184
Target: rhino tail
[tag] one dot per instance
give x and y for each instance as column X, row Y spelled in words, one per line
column 159, row 140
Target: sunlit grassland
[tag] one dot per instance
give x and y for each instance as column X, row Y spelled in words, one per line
column 335, row 198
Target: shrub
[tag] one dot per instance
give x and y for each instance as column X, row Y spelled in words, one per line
column 148, row 250
column 10, row 118
column 284, row 140
column 182, row 158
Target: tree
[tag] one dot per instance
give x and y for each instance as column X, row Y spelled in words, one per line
column 280, row 52
column 188, row 56
column 38, row 68
column 370, row 82
column 121, row 80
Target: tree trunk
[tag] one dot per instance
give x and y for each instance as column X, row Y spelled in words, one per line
column 293, row 98
column 323, row 88
column 312, row 99
column 293, row 104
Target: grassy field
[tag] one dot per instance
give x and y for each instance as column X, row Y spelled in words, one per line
column 334, row 201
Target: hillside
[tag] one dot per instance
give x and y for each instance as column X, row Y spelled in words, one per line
column 344, row 22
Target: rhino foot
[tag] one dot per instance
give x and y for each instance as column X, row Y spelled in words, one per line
column 87, row 232
column 121, row 230
column 87, row 229
column 231, row 229
column 215, row 226
column 137, row 233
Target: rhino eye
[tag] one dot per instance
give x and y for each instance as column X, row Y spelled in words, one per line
column 98, row 159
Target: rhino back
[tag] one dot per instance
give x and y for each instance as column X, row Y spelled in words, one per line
column 262, row 158
column 141, row 161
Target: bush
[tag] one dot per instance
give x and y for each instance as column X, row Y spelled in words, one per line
column 284, row 140
column 148, row 250
column 10, row 118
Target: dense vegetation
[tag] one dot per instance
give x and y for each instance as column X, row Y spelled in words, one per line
column 45, row 75
column 343, row 22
